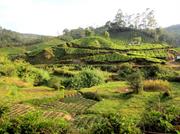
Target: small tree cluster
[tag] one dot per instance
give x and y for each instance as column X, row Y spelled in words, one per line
column 136, row 81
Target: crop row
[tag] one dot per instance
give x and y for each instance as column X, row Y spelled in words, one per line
column 73, row 104
column 55, row 115
column 87, row 121
column 117, row 57
column 151, row 53
column 19, row 109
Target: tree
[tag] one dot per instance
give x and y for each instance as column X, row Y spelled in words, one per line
column 136, row 82
column 151, row 21
column 88, row 32
column 65, row 31
column 119, row 18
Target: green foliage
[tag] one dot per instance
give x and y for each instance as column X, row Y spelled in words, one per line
column 106, row 34
column 160, row 72
column 23, row 70
column 11, row 38
column 33, row 123
column 86, row 78
column 92, row 95
column 55, row 83
column 159, row 120
column 114, row 124
column 3, row 109
column 125, row 70
column 88, row 32
column 110, row 125
column 31, row 74
column 66, row 38
column 48, row 53
column 92, row 42
column 136, row 81
column 114, row 57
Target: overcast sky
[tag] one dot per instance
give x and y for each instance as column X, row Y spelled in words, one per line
column 50, row 17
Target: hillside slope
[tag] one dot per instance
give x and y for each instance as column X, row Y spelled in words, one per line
column 98, row 50
column 11, row 38
column 174, row 29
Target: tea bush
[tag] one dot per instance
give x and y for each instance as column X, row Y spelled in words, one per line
column 159, row 120
column 115, row 124
column 33, row 123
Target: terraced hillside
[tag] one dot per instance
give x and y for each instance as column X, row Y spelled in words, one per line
column 96, row 49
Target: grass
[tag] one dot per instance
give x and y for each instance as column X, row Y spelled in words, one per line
column 130, row 106
column 13, row 50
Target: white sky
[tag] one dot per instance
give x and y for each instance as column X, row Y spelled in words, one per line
column 50, row 17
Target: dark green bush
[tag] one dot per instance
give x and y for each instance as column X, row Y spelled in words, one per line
column 55, row 83
column 125, row 70
column 115, row 124
column 160, row 72
column 136, row 81
column 92, row 95
column 3, row 109
column 109, row 125
column 86, row 78
column 33, row 123
column 159, row 120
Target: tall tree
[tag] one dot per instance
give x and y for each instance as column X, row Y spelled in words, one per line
column 119, row 18
column 151, row 21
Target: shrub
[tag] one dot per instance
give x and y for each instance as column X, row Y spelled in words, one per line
column 156, row 85
column 31, row 74
column 24, row 71
column 159, row 121
column 160, row 72
column 55, row 83
column 110, row 125
column 125, row 70
column 8, row 70
column 115, row 124
column 3, row 109
column 136, row 81
column 86, row 78
column 33, row 123
column 92, row 95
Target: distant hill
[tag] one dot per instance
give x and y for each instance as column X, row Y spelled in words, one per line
column 174, row 29
column 11, row 38
column 173, row 33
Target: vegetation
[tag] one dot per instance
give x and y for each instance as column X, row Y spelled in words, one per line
column 86, row 78
column 33, row 123
column 136, row 81
column 115, row 79
column 157, row 85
